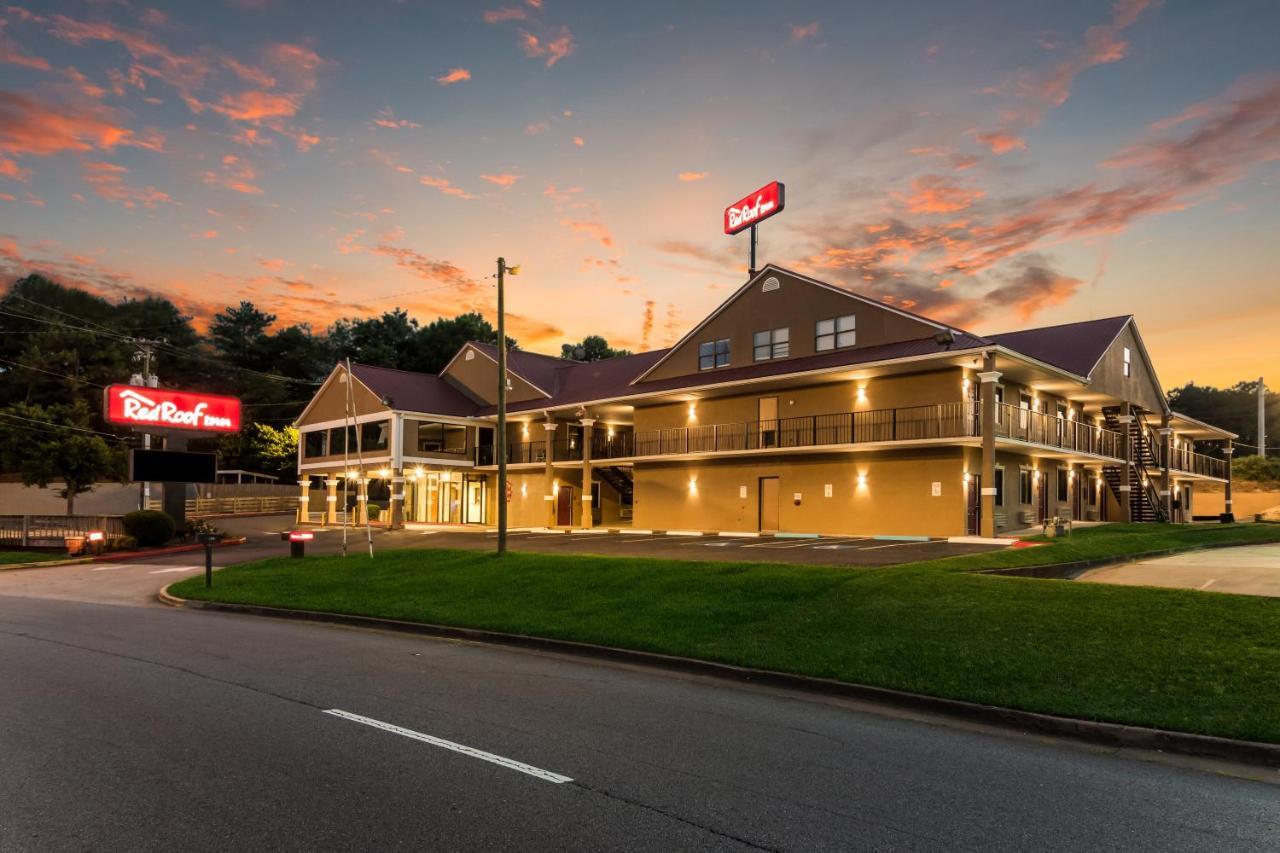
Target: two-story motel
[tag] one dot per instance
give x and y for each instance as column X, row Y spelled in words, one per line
column 796, row 406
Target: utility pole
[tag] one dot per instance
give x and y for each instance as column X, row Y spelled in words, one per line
column 500, row 440
column 146, row 379
column 1262, row 418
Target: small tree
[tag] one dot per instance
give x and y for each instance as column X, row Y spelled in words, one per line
column 592, row 348
column 53, row 444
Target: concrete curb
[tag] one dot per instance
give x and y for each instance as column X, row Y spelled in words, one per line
column 1087, row 731
column 46, row 564
column 1065, row 571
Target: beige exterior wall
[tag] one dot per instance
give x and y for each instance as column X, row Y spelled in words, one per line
column 330, row 402
column 915, row 389
column 478, row 378
column 797, row 305
column 1141, row 387
column 895, row 499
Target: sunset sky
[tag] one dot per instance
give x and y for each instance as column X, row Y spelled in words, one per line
column 994, row 165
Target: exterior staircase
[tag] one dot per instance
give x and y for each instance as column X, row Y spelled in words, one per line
column 619, row 478
column 1144, row 470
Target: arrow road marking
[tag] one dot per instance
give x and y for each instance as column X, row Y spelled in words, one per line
column 510, row 764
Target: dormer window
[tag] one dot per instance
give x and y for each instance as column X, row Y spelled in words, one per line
column 713, row 354
column 836, row 333
column 771, row 343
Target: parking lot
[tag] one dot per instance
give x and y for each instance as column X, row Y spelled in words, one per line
column 835, row 551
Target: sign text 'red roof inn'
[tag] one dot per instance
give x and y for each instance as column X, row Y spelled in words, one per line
column 130, row 405
column 758, row 206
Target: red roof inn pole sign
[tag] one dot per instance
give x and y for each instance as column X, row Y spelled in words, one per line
column 752, row 210
column 136, row 406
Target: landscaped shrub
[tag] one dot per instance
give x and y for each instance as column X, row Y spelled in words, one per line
column 149, row 526
column 1257, row 468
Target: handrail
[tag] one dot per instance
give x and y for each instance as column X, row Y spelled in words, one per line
column 1037, row 427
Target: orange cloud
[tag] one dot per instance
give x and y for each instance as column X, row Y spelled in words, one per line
column 430, row 269
column 445, row 186
column 10, row 169
column 999, row 141
column 507, row 13
column 386, row 118
column 596, row 230
column 236, row 175
column 28, row 126
column 804, row 32
column 107, row 180
column 934, row 194
column 536, row 127
column 455, row 75
column 504, row 180
column 273, row 264
column 1034, row 289
column 692, row 176
column 553, row 47
column 579, row 141
column 254, row 106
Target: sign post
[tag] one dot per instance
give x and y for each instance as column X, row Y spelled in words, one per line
column 750, row 211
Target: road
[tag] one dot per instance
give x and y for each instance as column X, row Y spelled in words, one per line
column 126, row 725
column 1243, row 570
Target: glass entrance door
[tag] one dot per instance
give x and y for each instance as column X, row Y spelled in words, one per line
column 473, row 509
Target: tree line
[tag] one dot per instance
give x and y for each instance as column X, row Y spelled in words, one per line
column 61, row 346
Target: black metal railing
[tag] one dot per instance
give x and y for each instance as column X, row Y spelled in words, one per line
column 619, row 445
column 1029, row 425
column 1183, row 458
column 517, row 453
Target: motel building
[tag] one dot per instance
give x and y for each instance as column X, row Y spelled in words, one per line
column 795, row 406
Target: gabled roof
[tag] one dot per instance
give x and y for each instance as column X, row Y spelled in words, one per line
column 770, row 269
column 1074, row 347
column 584, row 381
column 533, row 367
column 414, row 392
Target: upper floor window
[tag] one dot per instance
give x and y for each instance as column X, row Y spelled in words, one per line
column 836, row 333
column 315, row 443
column 1128, row 363
column 772, row 343
column 374, row 435
column 436, row 437
column 713, row 354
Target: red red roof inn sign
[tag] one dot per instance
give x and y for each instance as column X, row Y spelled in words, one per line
column 755, row 208
column 134, row 406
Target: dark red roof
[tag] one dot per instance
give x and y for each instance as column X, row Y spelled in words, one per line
column 1074, row 347
column 414, row 392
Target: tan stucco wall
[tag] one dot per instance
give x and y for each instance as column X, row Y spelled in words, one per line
column 330, row 402
column 916, row 389
column 896, row 500
column 797, row 305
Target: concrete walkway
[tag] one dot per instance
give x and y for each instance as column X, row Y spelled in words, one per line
column 1246, row 570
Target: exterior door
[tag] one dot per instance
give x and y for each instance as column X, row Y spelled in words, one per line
column 1077, row 486
column 770, row 497
column 973, row 522
column 768, row 417
column 1043, row 499
column 564, row 506
column 473, row 509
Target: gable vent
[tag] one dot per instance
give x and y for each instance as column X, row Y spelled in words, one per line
column 470, row 355
column 770, row 283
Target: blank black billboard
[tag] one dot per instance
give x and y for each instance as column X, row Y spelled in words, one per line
column 172, row 466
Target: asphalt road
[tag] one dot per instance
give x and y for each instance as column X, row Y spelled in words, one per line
column 1244, row 570
column 131, row 726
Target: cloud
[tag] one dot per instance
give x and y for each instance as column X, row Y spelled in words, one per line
column 505, row 180
column 211, row 234
column 273, row 264
column 429, row 269
column 563, row 196
column 692, row 176
column 30, row 126
column 386, row 118
column 804, row 32
column 236, row 174
column 935, row 194
column 646, row 324
column 11, row 170
column 445, row 186
column 1036, row 92
column 553, row 46
column 107, row 180
column 596, row 230
column 455, row 75
column 506, row 13
column 536, row 127
column 255, row 106
column 1033, row 288
column 579, row 141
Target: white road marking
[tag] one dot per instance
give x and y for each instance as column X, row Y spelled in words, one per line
column 1207, row 583
column 175, row 569
column 808, row 543
column 646, row 539
column 510, row 764
column 893, row 545
column 108, row 568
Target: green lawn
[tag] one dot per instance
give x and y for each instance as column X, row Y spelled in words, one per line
column 8, row 558
column 1192, row 661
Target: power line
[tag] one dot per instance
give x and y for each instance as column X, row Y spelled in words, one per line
column 62, row 426
column 52, row 372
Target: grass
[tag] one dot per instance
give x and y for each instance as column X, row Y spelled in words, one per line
column 1174, row 659
column 9, row 558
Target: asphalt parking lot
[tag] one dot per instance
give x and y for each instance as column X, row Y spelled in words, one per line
column 827, row 551
column 1244, row 570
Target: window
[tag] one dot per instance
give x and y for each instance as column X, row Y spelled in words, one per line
column 1063, row 479
column 713, row 354
column 374, row 436
column 338, row 440
column 999, row 486
column 1024, row 485
column 1128, row 362
column 441, row 438
column 313, row 443
column 836, row 333
column 775, row 343
column 999, row 389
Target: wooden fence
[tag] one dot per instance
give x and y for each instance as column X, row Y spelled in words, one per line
column 52, row 530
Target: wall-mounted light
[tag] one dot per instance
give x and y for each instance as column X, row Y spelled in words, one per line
column 964, row 385
column 693, row 485
column 862, row 481
column 417, row 473
column 555, row 489
column 862, row 392
column 1035, row 474
column 524, row 490
column 609, row 432
column 524, row 430
column 1071, row 414
column 693, row 411
column 384, row 473
column 1071, row 475
column 967, row 478
column 444, row 476
column 353, row 475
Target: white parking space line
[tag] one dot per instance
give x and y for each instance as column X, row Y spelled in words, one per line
column 645, row 539
column 808, row 543
column 175, row 569
column 108, row 568
column 510, row 764
column 709, row 544
column 895, row 545
column 1210, row 582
